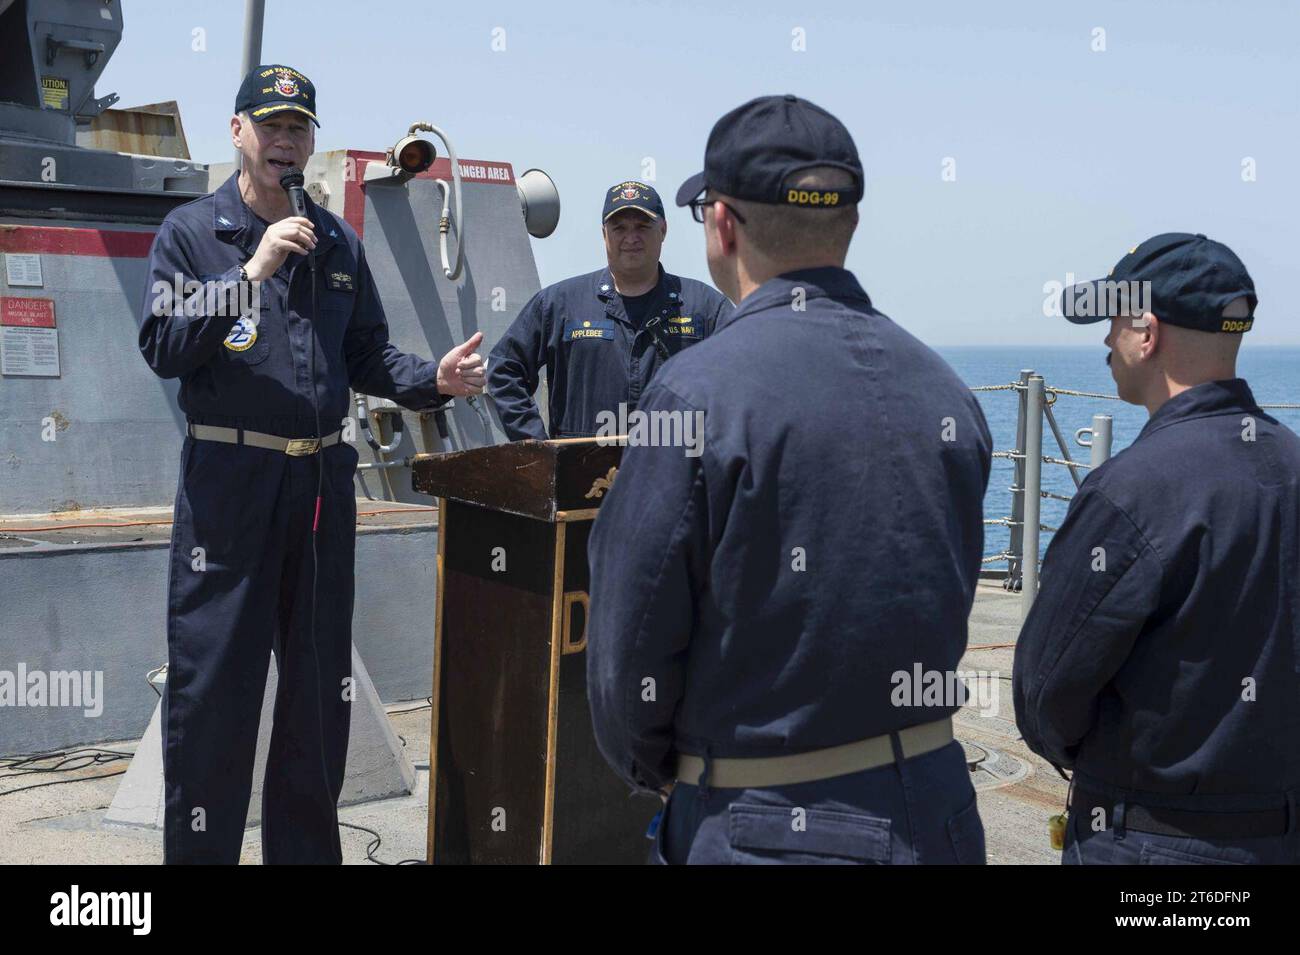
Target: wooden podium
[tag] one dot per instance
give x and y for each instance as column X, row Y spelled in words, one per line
column 514, row 773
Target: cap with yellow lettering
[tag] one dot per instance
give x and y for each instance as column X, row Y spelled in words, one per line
column 632, row 195
column 1178, row 277
column 755, row 151
column 271, row 89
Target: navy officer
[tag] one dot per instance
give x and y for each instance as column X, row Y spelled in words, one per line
column 755, row 606
column 602, row 336
column 265, row 346
column 1159, row 658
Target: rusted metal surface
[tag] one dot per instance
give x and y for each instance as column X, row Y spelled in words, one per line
column 151, row 130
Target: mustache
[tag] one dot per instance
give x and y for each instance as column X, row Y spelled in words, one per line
column 1108, row 357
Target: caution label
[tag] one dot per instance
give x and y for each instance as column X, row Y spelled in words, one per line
column 54, row 92
column 24, row 312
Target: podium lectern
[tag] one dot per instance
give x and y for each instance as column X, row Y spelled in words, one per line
column 514, row 773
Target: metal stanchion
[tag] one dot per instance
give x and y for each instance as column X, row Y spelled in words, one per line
column 1033, row 486
column 1015, row 564
column 1099, row 449
column 254, row 17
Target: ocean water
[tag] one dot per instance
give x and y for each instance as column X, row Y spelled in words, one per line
column 1272, row 372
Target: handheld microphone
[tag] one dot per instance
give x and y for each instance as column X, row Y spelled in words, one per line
column 291, row 181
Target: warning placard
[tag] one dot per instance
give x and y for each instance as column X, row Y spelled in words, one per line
column 29, row 342
column 54, row 92
column 23, row 269
column 26, row 312
column 29, row 351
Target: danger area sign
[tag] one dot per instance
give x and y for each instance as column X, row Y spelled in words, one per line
column 26, row 312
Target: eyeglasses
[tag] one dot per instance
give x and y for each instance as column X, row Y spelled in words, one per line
column 699, row 205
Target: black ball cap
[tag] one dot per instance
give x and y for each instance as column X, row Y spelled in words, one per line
column 632, row 195
column 754, row 150
column 1181, row 278
column 270, row 89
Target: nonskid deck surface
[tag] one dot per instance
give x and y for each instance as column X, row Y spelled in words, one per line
column 152, row 525
column 1017, row 791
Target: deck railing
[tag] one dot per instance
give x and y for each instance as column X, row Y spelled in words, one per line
column 1035, row 400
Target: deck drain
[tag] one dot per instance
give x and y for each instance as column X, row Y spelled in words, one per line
column 991, row 768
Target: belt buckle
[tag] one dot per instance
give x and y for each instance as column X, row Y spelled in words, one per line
column 301, row 447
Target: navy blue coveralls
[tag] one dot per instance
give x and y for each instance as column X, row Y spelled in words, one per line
column 595, row 357
column 1160, row 657
column 828, row 536
column 250, row 511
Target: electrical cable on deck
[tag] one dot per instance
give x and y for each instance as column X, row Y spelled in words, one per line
column 21, row 766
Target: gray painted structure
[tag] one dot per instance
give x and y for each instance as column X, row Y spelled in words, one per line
column 94, row 606
column 102, row 607
column 100, row 443
column 378, row 767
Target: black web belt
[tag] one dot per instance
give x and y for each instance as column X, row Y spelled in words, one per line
column 1188, row 823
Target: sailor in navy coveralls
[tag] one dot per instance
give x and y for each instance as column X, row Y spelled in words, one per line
column 754, row 605
column 601, row 337
column 265, row 513
column 1159, row 661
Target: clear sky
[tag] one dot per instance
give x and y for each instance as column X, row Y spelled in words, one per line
column 1065, row 153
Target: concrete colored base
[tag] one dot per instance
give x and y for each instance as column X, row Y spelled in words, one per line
column 378, row 767
column 93, row 600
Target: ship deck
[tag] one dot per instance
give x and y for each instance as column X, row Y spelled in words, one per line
column 1017, row 791
column 153, row 525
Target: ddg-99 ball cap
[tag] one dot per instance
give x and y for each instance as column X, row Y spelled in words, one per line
column 1182, row 278
column 755, row 150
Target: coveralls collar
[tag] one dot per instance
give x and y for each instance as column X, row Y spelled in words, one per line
column 667, row 293
column 231, row 215
column 823, row 282
column 1208, row 398
column 607, row 292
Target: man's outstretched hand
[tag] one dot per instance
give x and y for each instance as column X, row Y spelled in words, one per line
column 461, row 371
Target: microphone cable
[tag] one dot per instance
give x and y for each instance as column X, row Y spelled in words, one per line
column 315, row 554
column 292, row 183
